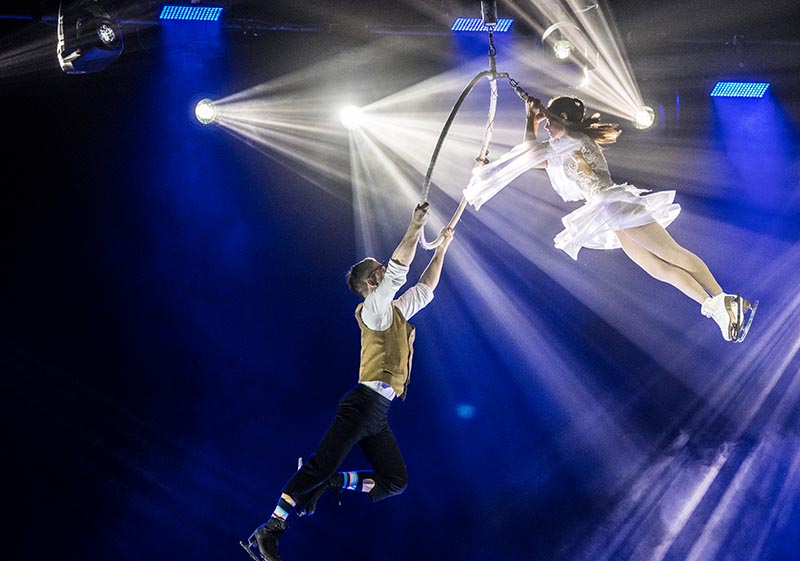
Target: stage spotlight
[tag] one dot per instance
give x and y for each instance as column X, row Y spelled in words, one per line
column 205, row 111
column 562, row 49
column 565, row 43
column 559, row 41
column 351, row 117
column 644, row 118
column 89, row 39
column 566, row 46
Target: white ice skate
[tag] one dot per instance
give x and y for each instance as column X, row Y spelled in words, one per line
column 729, row 312
column 752, row 307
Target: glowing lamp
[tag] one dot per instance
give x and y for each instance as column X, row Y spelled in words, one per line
column 205, row 111
column 351, row 117
column 644, row 118
column 562, row 49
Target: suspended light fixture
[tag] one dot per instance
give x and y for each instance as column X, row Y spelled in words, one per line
column 190, row 12
column 566, row 46
column 89, row 38
column 503, row 25
column 565, row 42
column 740, row 89
column 487, row 22
column 562, row 49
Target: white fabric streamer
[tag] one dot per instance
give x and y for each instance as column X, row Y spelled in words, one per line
column 488, row 180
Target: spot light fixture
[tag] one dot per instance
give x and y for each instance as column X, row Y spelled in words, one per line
column 565, row 42
column 205, row 111
column 644, row 118
column 351, row 117
column 562, row 48
column 565, row 45
column 89, row 38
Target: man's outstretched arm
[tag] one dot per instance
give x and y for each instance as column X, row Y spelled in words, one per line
column 432, row 273
column 405, row 251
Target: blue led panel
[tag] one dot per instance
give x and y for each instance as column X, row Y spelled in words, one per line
column 193, row 13
column 740, row 89
column 476, row 24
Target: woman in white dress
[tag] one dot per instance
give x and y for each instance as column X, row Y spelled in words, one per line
column 614, row 215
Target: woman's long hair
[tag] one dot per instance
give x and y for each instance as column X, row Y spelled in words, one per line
column 571, row 113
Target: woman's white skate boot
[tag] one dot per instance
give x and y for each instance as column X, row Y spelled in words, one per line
column 728, row 311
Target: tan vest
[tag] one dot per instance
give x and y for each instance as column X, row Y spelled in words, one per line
column 386, row 355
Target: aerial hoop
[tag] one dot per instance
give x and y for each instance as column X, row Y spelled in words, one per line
column 492, row 75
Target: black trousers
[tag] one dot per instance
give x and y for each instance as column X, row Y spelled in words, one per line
column 361, row 418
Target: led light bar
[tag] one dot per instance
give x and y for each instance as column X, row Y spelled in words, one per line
column 190, row 13
column 476, row 24
column 740, row 89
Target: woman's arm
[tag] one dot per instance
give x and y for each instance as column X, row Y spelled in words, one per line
column 533, row 118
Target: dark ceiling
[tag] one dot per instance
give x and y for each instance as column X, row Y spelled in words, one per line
column 701, row 18
column 665, row 37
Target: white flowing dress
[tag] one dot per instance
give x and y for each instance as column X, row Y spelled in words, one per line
column 577, row 170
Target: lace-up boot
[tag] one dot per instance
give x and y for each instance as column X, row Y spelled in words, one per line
column 265, row 539
column 724, row 309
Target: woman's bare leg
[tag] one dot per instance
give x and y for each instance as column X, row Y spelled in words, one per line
column 654, row 250
column 662, row 270
column 655, row 239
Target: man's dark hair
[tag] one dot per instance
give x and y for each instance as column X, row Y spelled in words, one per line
column 356, row 277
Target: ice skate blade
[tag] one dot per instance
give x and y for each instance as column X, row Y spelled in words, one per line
column 746, row 328
column 735, row 319
column 250, row 552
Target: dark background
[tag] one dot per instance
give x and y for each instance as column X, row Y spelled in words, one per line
column 177, row 331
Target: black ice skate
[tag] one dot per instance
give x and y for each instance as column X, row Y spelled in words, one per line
column 252, row 550
column 263, row 543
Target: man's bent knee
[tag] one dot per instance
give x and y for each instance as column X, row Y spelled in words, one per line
column 388, row 487
column 396, row 485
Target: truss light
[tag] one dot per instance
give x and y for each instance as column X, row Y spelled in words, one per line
column 740, row 89
column 503, row 25
column 190, row 13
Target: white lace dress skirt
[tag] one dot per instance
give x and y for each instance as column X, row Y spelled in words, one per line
column 614, row 208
